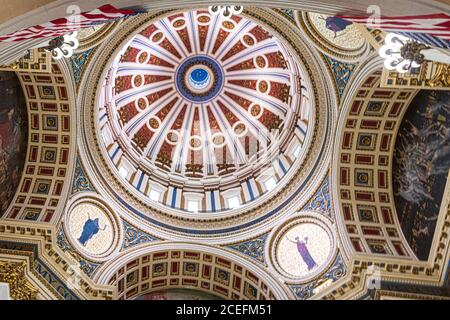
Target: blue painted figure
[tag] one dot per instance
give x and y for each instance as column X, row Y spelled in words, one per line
column 304, row 252
column 90, row 229
column 336, row 24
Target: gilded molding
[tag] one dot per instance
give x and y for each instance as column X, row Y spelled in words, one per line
column 14, row 274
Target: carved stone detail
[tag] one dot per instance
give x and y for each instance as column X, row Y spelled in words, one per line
column 14, row 273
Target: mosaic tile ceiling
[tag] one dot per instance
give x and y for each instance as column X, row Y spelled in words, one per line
column 202, row 101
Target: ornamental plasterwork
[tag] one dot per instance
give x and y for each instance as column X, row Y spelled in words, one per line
column 31, row 239
column 302, row 248
column 107, row 226
column 369, row 272
column 14, row 273
column 318, row 83
column 93, row 36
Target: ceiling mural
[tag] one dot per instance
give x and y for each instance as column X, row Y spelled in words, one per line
column 420, row 168
column 303, row 246
column 256, row 156
column 339, row 32
column 13, row 137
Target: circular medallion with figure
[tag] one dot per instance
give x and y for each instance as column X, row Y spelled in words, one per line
column 303, row 247
column 91, row 229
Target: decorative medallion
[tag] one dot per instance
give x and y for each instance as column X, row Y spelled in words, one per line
column 91, row 229
column 303, row 247
column 332, row 36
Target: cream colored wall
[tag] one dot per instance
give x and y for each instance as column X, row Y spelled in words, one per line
column 11, row 9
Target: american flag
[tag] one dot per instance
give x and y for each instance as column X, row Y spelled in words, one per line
column 434, row 25
column 62, row 26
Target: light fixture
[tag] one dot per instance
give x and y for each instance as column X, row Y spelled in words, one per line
column 401, row 53
column 226, row 12
column 63, row 46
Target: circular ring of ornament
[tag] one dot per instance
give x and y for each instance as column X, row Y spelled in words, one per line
column 143, row 57
column 204, row 19
column 239, row 129
column 142, row 103
column 228, row 25
column 157, row 37
column 218, row 140
column 169, row 137
column 260, row 62
column 302, row 247
column 263, row 86
column 195, row 143
column 248, row 40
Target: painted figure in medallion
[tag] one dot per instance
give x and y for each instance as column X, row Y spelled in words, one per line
column 304, row 252
column 90, row 229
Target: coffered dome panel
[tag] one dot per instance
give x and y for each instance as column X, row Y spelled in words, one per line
column 204, row 118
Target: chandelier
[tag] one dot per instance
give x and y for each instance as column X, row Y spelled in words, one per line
column 63, row 46
column 401, row 53
column 225, row 12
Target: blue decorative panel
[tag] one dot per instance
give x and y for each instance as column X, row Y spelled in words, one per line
column 253, row 248
column 134, row 236
column 81, row 182
column 86, row 266
column 321, row 201
column 289, row 13
column 306, row 291
column 54, row 281
column 79, row 61
column 341, row 71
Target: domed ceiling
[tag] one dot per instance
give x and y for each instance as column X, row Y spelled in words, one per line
column 198, row 103
column 254, row 157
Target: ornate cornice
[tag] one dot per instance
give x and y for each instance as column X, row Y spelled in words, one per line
column 54, row 268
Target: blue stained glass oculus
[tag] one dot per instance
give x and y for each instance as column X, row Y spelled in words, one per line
column 199, row 79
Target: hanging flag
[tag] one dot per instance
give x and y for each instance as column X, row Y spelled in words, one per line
column 62, row 26
column 436, row 25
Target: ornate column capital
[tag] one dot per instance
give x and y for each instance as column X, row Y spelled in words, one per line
column 14, row 273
